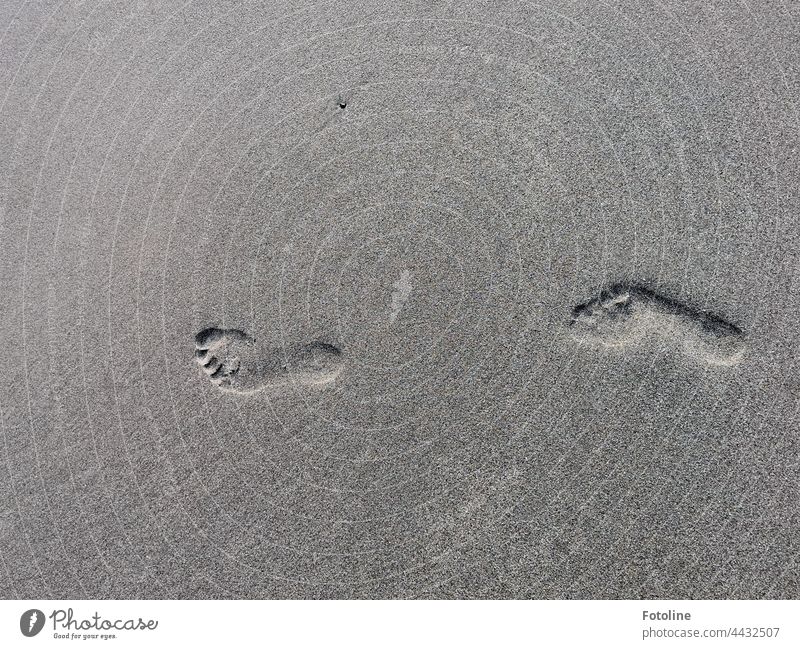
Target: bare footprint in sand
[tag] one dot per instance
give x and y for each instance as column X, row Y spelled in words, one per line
column 235, row 362
column 626, row 314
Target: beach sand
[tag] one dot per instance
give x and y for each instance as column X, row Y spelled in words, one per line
column 514, row 291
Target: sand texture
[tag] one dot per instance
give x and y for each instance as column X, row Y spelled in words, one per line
column 399, row 299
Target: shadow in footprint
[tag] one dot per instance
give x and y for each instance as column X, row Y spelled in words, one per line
column 624, row 314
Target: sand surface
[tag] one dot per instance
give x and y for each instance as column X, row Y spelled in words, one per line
column 415, row 213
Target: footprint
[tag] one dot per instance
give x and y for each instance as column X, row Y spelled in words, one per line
column 235, row 362
column 624, row 314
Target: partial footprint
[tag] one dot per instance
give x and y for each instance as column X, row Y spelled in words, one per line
column 625, row 314
column 236, row 363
